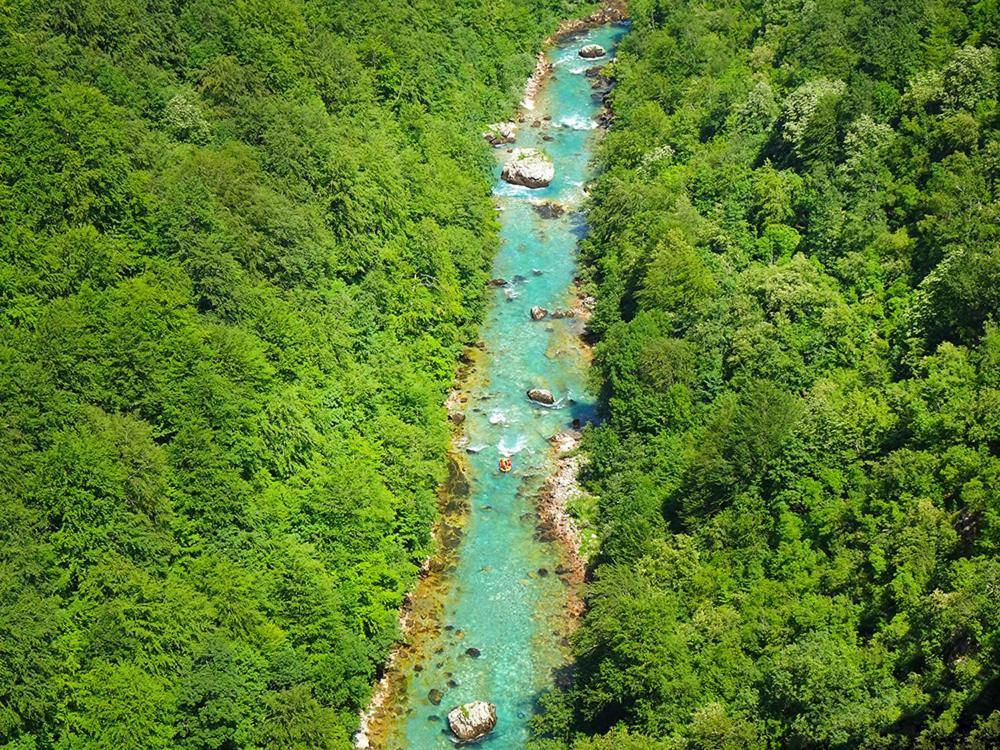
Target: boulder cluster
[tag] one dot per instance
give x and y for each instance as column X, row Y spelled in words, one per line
column 501, row 133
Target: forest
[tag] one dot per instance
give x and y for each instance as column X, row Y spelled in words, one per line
column 243, row 242
column 795, row 243
column 241, row 245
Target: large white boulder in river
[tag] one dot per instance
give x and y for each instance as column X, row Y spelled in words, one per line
column 528, row 167
column 592, row 51
column 471, row 721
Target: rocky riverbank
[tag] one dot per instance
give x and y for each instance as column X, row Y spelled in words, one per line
column 543, row 68
column 554, row 518
column 562, row 488
column 614, row 11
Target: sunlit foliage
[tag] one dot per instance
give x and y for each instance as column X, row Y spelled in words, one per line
column 796, row 244
column 241, row 244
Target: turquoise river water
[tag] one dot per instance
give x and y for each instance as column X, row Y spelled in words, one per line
column 503, row 597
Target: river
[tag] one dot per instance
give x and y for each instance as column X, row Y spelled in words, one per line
column 502, row 605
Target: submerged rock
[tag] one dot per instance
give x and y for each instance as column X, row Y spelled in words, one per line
column 537, row 313
column 497, row 282
column 563, row 314
column 472, row 721
column 435, row 696
column 472, row 652
column 541, row 396
column 592, row 51
column 549, row 209
column 500, row 133
column 528, row 167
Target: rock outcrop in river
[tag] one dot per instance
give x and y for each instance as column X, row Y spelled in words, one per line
column 541, row 396
column 549, row 209
column 592, row 51
column 472, row 721
column 528, row 167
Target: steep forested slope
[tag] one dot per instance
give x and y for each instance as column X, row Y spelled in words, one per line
column 240, row 245
column 796, row 241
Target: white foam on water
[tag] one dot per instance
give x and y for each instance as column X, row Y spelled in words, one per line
column 578, row 122
column 507, row 190
column 504, row 449
column 574, row 194
column 557, row 405
column 498, row 417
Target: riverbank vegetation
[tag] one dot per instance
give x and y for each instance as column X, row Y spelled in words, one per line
column 242, row 244
column 796, row 243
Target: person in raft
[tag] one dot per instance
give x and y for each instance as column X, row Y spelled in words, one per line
column 506, row 464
